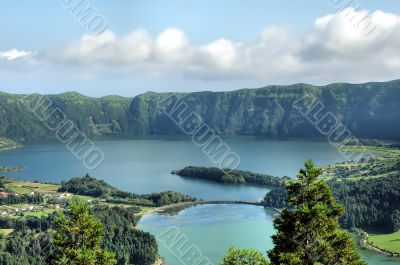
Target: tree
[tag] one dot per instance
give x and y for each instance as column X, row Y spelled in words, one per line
column 243, row 257
column 308, row 233
column 78, row 237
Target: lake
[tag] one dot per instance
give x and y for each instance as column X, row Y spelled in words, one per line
column 143, row 165
column 214, row 228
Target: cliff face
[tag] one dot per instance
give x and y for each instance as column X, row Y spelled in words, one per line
column 369, row 110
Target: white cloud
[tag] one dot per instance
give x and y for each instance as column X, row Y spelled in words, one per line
column 335, row 48
column 13, row 54
column 221, row 52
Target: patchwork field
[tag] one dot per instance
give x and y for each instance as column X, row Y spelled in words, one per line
column 23, row 187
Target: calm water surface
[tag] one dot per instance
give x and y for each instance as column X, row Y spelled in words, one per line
column 143, row 165
column 214, row 228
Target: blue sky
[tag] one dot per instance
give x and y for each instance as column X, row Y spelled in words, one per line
column 193, row 45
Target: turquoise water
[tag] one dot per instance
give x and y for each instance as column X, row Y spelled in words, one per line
column 214, row 228
column 143, row 165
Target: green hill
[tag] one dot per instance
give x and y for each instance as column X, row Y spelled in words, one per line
column 370, row 110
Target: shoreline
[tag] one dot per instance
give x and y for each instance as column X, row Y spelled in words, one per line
column 367, row 245
column 7, row 144
column 10, row 148
column 181, row 204
column 362, row 241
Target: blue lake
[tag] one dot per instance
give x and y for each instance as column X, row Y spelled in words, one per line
column 143, row 165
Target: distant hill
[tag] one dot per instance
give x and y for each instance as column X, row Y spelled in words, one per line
column 370, row 110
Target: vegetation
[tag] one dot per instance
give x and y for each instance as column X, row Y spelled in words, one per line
column 25, row 248
column 78, row 237
column 230, row 176
column 387, row 242
column 6, row 232
column 368, row 110
column 8, row 144
column 131, row 246
column 308, row 232
column 27, row 237
column 25, row 187
column 385, row 162
column 17, row 199
column 103, row 116
column 243, row 257
column 369, row 190
column 168, row 197
column 377, row 148
column 31, row 239
column 90, row 186
column 370, row 203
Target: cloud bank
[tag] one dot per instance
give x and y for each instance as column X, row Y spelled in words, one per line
column 331, row 50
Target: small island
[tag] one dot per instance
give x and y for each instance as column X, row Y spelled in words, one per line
column 8, row 144
column 11, row 168
column 232, row 176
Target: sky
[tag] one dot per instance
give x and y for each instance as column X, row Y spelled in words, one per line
column 129, row 47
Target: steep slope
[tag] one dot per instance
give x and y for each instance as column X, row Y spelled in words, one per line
column 370, row 110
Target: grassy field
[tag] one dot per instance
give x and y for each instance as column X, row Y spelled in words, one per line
column 6, row 232
column 40, row 213
column 380, row 151
column 27, row 187
column 386, row 163
column 390, row 242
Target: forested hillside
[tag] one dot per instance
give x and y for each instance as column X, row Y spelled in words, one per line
column 32, row 240
column 370, row 110
column 89, row 186
column 370, row 203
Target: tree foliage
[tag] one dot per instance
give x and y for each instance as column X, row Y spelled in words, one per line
column 369, row 203
column 19, row 199
column 130, row 245
column 243, row 257
column 230, row 176
column 78, row 237
column 308, row 233
column 31, row 243
column 90, row 186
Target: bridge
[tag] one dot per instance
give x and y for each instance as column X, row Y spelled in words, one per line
column 258, row 203
column 182, row 204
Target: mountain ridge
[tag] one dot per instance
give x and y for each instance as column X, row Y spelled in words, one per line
column 268, row 111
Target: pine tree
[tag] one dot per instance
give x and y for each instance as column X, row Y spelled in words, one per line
column 244, row 257
column 308, row 233
column 78, row 237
